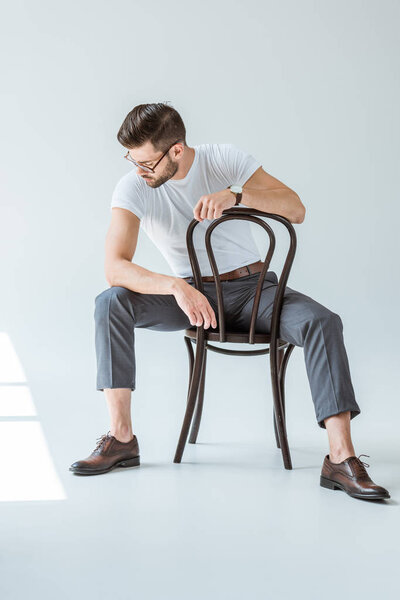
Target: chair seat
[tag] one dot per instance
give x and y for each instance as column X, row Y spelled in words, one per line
column 236, row 337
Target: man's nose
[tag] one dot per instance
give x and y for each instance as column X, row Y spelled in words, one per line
column 142, row 172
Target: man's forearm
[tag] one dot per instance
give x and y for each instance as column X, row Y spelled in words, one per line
column 280, row 202
column 138, row 279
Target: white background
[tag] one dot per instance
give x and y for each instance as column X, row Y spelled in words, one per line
column 309, row 88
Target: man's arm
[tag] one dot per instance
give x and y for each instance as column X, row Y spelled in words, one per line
column 121, row 242
column 261, row 191
column 266, row 193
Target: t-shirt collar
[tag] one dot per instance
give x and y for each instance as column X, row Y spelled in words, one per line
column 189, row 173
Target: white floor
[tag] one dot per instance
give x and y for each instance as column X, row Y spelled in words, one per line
column 228, row 523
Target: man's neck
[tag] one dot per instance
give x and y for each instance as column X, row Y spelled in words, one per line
column 185, row 163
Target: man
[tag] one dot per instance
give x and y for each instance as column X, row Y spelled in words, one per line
column 173, row 183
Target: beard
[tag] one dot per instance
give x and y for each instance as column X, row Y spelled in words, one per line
column 169, row 171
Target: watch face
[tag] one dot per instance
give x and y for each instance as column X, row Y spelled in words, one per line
column 236, row 189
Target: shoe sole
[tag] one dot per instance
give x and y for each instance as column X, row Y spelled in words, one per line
column 131, row 462
column 333, row 485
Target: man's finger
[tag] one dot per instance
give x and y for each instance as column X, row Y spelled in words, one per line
column 213, row 319
column 207, row 319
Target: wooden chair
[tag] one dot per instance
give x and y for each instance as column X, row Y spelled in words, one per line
column 278, row 349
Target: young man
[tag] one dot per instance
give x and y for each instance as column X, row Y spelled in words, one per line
column 173, row 183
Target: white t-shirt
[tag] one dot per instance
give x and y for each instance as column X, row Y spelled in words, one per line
column 165, row 212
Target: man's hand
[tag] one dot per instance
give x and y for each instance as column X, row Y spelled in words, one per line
column 194, row 304
column 212, row 205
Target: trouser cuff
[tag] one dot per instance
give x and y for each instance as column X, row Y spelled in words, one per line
column 353, row 413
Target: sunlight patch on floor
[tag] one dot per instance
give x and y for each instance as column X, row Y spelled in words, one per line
column 27, row 470
column 16, row 401
column 11, row 370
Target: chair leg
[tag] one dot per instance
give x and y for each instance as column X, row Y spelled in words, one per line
column 275, row 429
column 282, row 373
column 189, row 348
column 276, row 364
column 283, row 361
column 280, row 360
column 199, row 407
column 193, row 392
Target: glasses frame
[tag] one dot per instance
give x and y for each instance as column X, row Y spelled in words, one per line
column 145, row 167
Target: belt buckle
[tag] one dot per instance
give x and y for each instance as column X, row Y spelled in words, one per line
column 248, row 270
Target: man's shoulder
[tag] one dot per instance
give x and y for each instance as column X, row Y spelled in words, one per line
column 129, row 182
column 215, row 150
column 213, row 146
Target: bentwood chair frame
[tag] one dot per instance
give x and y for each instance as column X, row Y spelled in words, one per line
column 278, row 349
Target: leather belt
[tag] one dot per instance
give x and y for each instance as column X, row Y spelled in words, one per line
column 255, row 267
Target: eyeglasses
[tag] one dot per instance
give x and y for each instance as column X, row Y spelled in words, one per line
column 145, row 167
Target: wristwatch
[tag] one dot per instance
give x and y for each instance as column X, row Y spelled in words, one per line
column 237, row 190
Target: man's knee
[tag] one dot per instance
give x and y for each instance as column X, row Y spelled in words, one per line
column 106, row 300
column 115, row 291
column 322, row 315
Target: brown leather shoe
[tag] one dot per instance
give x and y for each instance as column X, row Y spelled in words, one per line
column 108, row 454
column 351, row 476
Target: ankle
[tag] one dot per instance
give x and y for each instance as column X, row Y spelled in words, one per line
column 122, row 433
column 338, row 455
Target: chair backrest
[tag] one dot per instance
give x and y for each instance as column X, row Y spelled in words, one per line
column 248, row 214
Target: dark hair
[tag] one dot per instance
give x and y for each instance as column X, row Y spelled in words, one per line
column 158, row 123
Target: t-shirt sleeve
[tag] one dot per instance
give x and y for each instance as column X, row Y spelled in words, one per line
column 239, row 166
column 128, row 194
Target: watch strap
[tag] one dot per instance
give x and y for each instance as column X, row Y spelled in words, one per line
column 238, row 196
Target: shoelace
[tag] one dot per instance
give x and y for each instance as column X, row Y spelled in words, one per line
column 364, row 463
column 101, row 440
column 360, row 470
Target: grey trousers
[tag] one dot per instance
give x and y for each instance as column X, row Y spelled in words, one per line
column 304, row 322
